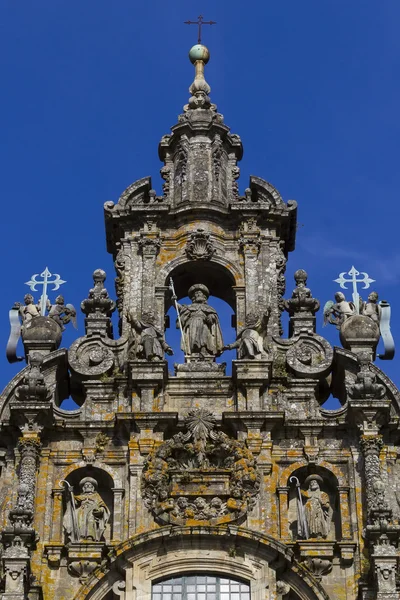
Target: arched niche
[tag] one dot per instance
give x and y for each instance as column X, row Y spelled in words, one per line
column 235, row 553
column 329, row 485
column 111, row 495
column 219, row 280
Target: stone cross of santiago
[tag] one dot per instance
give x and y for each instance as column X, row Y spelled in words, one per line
column 365, row 279
column 200, row 23
column 33, row 282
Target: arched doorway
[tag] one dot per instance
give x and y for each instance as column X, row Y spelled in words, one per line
column 234, row 556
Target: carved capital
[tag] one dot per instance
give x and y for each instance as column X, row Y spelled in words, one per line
column 371, row 445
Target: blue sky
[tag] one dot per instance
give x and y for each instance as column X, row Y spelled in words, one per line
column 89, row 87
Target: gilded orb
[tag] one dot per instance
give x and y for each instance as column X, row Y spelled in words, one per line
column 199, row 52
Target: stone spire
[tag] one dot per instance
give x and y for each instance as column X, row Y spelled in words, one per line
column 200, row 157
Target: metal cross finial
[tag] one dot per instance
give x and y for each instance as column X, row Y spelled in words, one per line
column 365, row 279
column 33, row 282
column 200, row 23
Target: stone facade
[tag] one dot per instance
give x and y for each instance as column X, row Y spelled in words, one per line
column 158, row 475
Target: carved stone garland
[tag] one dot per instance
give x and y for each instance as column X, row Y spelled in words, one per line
column 200, row 477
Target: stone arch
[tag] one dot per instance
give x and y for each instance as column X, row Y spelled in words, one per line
column 233, row 551
column 95, row 466
column 293, row 467
column 220, row 275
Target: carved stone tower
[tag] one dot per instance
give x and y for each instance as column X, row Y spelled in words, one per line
column 196, row 485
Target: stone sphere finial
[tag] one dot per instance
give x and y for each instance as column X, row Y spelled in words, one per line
column 99, row 275
column 300, row 277
column 199, row 52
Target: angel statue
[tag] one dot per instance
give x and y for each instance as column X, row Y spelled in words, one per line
column 30, row 317
column 250, row 341
column 62, row 313
column 337, row 312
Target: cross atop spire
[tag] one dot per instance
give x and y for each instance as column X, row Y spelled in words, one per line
column 200, row 23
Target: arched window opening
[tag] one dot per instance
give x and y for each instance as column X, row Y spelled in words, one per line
column 331, row 403
column 200, row 587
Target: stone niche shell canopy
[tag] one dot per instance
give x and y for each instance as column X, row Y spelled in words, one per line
column 200, row 476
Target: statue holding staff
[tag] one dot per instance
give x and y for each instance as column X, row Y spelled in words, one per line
column 201, row 330
column 317, row 508
column 87, row 514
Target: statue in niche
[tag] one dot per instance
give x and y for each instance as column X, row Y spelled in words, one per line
column 87, row 514
column 152, row 344
column 200, row 325
column 337, row 312
column 317, row 509
column 250, row 341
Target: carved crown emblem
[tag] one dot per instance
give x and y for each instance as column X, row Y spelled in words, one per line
column 200, row 476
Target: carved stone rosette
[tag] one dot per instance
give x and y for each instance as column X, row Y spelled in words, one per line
column 200, row 476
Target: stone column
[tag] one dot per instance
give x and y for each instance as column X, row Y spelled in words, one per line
column 118, row 514
column 374, row 486
column 56, row 524
column 250, row 246
column 381, row 533
column 150, row 246
column 283, row 494
column 240, row 292
column 19, row 538
column 345, row 512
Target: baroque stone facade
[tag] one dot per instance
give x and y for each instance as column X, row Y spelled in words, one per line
column 242, row 482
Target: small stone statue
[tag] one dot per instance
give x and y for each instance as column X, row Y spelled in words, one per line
column 317, row 508
column 62, row 313
column 371, row 308
column 151, row 341
column 337, row 313
column 30, row 310
column 87, row 514
column 250, row 341
column 200, row 324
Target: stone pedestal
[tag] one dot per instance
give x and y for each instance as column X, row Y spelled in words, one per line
column 84, row 557
column 317, row 555
column 148, row 378
column 41, row 335
column 251, row 376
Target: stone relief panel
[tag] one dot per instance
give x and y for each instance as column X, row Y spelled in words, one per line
column 200, row 476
